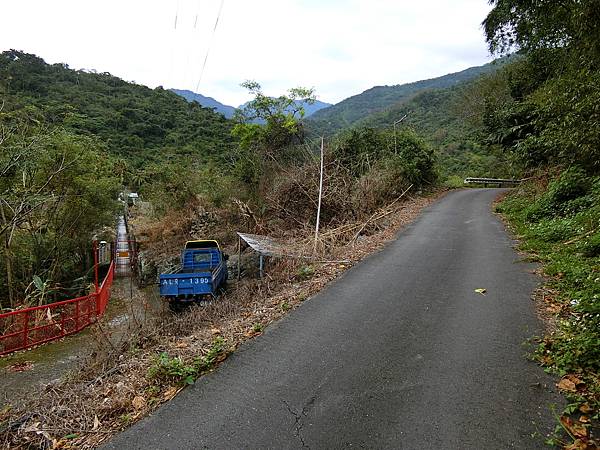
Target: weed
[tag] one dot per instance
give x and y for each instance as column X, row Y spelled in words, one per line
column 454, row 182
column 172, row 370
column 285, row 306
column 217, row 350
column 305, row 272
column 258, row 327
column 153, row 390
column 591, row 247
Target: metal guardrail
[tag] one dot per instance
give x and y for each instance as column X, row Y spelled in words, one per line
column 500, row 182
column 29, row 327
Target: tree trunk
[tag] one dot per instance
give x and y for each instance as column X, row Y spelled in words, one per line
column 8, row 261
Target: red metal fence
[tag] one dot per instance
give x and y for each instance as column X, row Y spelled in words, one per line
column 33, row 326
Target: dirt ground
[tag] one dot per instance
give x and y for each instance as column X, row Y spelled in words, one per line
column 25, row 372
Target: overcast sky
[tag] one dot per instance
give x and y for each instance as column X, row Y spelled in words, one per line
column 340, row 48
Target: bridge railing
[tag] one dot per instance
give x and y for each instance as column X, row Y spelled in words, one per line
column 29, row 327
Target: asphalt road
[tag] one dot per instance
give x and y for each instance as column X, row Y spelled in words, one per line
column 400, row 353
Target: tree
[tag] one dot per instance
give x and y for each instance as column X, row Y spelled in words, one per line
column 268, row 130
column 553, row 118
column 272, row 123
column 56, row 189
column 545, row 24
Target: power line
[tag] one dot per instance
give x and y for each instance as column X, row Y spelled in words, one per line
column 197, row 12
column 176, row 14
column 209, row 45
column 173, row 41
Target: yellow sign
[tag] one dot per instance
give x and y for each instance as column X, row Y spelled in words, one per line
column 123, row 254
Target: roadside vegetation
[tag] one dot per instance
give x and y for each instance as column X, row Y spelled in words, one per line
column 558, row 223
column 547, row 119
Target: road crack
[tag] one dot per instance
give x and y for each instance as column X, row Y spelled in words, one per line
column 299, row 424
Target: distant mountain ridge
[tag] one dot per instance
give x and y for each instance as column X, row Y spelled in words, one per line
column 228, row 111
column 207, row 102
column 352, row 110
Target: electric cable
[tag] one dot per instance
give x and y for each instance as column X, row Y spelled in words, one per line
column 209, row 45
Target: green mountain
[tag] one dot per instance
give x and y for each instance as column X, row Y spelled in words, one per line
column 134, row 122
column 348, row 112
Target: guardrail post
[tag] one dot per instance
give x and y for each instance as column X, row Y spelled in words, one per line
column 77, row 315
column 99, row 306
column 95, row 247
column 62, row 321
column 25, row 328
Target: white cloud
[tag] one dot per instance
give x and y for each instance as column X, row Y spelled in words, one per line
column 339, row 47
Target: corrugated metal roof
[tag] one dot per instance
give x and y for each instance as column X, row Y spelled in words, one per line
column 263, row 244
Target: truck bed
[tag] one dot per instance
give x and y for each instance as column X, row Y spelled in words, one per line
column 202, row 273
column 185, row 284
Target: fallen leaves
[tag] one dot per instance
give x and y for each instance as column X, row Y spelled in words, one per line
column 569, row 383
column 574, row 427
column 582, row 444
column 566, row 385
column 138, row 402
column 586, row 408
column 171, row 392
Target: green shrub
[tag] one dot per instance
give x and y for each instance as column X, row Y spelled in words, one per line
column 305, row 272
column 170, row 369
column 591, row 247
column 566, row 195
column 166, row 369
column 562, row 228
column 553, row 230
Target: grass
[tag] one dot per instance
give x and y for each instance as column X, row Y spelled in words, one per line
column 454, row 182
column 558, row 224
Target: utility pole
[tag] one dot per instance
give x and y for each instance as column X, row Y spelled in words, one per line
column 396, row 123
column 320, row 197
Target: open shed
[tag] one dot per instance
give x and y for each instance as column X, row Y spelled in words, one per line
column 263, row 245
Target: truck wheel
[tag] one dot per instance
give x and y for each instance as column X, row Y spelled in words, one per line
column 175, row 306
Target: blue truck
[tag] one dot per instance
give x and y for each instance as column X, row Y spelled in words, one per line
column 203, row 272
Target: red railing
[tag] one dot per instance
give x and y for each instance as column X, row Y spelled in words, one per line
column 33, row 326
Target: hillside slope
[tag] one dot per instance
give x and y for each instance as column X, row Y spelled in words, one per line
column 348, row 112
column 133, row 121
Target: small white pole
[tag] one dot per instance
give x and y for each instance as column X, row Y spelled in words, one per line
column 396, row 123
column 320, row 196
